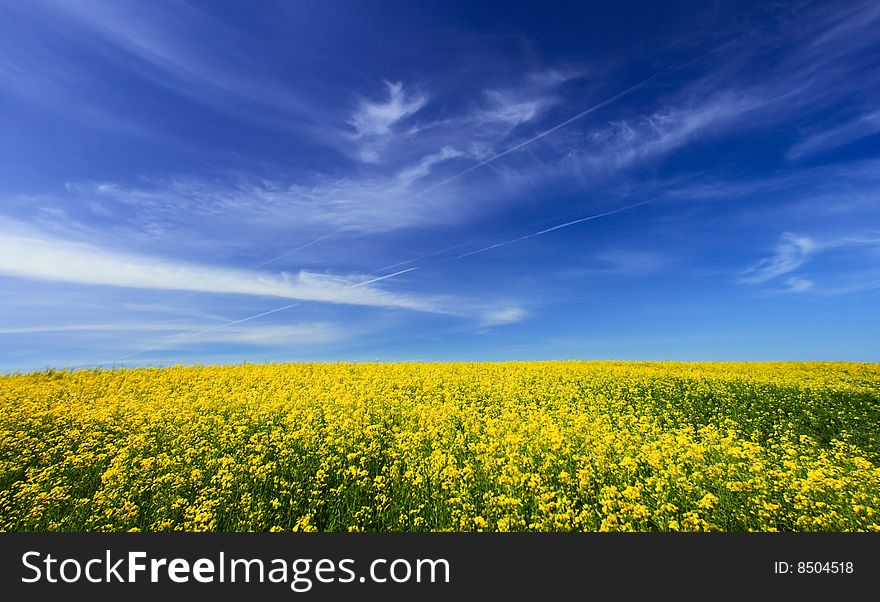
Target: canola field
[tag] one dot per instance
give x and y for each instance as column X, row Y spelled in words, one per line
column 531, row 446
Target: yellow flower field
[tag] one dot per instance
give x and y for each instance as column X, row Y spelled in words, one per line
column 533, row 446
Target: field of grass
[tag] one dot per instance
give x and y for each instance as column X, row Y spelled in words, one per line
column 543, row 446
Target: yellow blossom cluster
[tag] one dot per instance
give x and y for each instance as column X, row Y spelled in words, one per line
column 517, row 446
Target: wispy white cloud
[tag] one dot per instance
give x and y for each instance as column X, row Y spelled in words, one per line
column 377, row 118
column 521, row 101
column 511, row 110
column 162, row 36
column 790, row 253
column 390, row 131
column 292, row 335
column 393, row 130
column 42, row 258
column 423, row 168
column 112, row 327
column 373, row 121
column 273, row 335
column 851, row 257
column 846, row 25
column 834, row 137
column 632, row 142
column 29, row 254
column 369, row 203
column 798, row 285
column 402, row 192
column 497, row 317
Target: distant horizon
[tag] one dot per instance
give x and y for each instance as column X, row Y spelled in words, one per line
column 399, row 362
column 218, row 184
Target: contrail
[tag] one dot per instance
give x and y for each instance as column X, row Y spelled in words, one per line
column 551, row 229
column 572, row 119
column 298, row 249
column 385, row 277
column 191, row 335
column 568, row 224
column 454, row 176
column 421, row 257
column 525, row 143
column 268, row 261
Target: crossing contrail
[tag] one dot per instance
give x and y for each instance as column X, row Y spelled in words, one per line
column 611, row 99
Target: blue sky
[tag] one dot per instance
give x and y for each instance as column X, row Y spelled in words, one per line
column 220, row 182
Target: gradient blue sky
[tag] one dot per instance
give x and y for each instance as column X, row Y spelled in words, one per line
column 406, row 180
